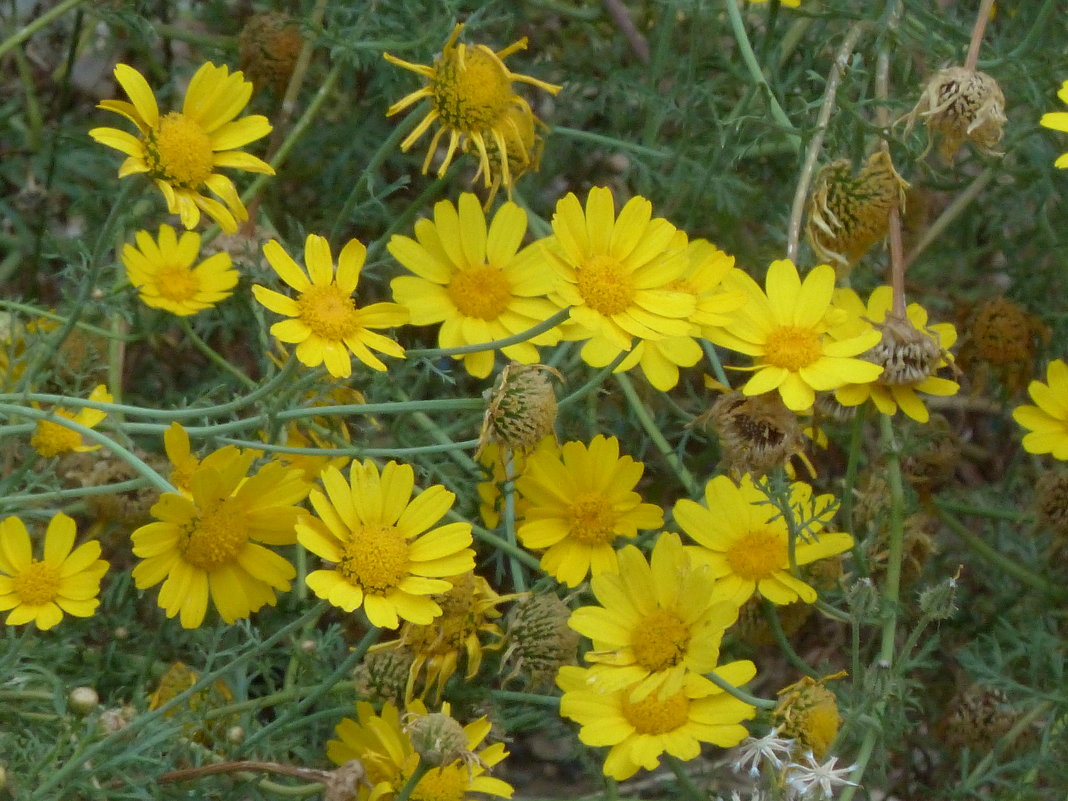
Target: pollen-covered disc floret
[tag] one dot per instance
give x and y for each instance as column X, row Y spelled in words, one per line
column 471, row 98
column 325, row 323
column 182, row 150
column 386, row 552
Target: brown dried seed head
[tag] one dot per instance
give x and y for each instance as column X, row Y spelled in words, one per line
column 907, row 354
column 521, row 408
column 268, row 47
column 961, row 104
column 756, row 434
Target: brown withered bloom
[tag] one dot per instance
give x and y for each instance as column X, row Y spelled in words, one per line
column 756, row 433
column 961, row 105
column 1000, row 339
column 268, row 47
column 539, row 640
column 520, row 409
column 848, row 213
column 977, row 717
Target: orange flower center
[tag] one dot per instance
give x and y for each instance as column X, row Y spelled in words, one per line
column 481, row 292
column 328, row 312
column 38, row 584
column 375, row 558
column 605, row 285
column 180, row 151
column 758, row 554
column 177, row 283
column 470, row 89
column 51, row 439
column 660, row 641
column 792, row 347
column 653, row 715
column 217, row 537
column 593, row 520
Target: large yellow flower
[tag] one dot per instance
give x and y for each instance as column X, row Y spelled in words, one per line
column 1058, row 121
column 386, row 552
column 471, row 98
column 51, row 438
column 786, row 331
column 66, row 579
column 910, row 352
column 181, row 150
column 746, row 539
column 578, row 503
column 165, row 276
column 479, row 285
column 383, row 746
column 212, row 542
column 325, row 323
column 639, row 731
column 1047, row 423
column 657, row 621
column 616, row 274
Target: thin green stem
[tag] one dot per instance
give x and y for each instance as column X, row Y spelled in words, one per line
column 686, row 784
column 892, row 585
column 519, row 580
column 598, row 378
column 739, row 693
column 771, row 615
column 494, row 344
column 209, row 352
column 413, row 781
column 549, row 701
column 717, row 365
column 37, row 24
column 689, row 483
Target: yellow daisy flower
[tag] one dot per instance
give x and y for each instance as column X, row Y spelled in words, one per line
column 166, row 278
column 787, row 3
column 746, row 539
column 615, row 274
column 66, row 579
column 1047, row 423
column 658, row 620
column 1058, row 121
column 387, row 555
column 478, row 284
column 639, row 732
column 470, row 94
column 708, row 267
column 211, row 543
column 578, row 503
column 51, row 439
column 910, row 352
column 326, row 324
column 181, row 150
column 786, row 330
column 384, row 747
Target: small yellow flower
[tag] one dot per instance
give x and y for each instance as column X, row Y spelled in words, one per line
column 386, row 552
column 51, row 438
column 1047, row 423
column 787, row 3
column 326, row 324
column 478, row 283
column 786, row 331
column 470, row 94
column 638, row 732
column 578, row 503
column 181, row 150
column 66, row 579
column 1058, row 121
column 746, row 539
column 165, row 276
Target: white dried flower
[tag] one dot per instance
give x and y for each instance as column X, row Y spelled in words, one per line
column 754, row 750
column 815, row 782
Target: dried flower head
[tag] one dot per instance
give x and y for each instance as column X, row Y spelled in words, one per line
column 438, row 738
column 849, row 213
column 383, row 673
column 520, row 409
column 906, row 354
column 268, row 47
column 918, row 546
column 808, row 712
column 179, row 678
column 525, row 143
column 977, row 717
column 1001, row 338
column 539, row 640
column 961, row 104
column 1051, row 502
column 756, row 433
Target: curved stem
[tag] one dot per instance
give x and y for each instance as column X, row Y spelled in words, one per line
column 685, row 477
column 37, row 24
column 212, row 355
column 494, row 344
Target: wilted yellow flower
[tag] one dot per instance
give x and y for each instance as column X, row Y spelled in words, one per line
column 51, row 438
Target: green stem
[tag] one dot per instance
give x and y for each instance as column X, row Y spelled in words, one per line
column 892, row 586
column 717, row 365
column 685, row 477
column 686, row 784
column 413, row 781
column 33, row 311
column 610, row 141
column 849, row 486
column 212, row 355
column 37, row 24
column 549, row 701
column 508, row 491
column 739, row 693
column 771, row 615
column 494, row 344
column 598, row 378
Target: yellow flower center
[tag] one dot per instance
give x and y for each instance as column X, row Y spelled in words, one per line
column 470, row 89
column 328, row 312
column 38, row 584
column 481, row 292
column 605, row 285
column 443, row 784
column 660, row 641
column 177, row 283
column 180, row 151
column 217, row 537
column 792, row 347
column 376, row 559
column 51, row 439
column 653, row 715
column 593, row 520
column 757, row 555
